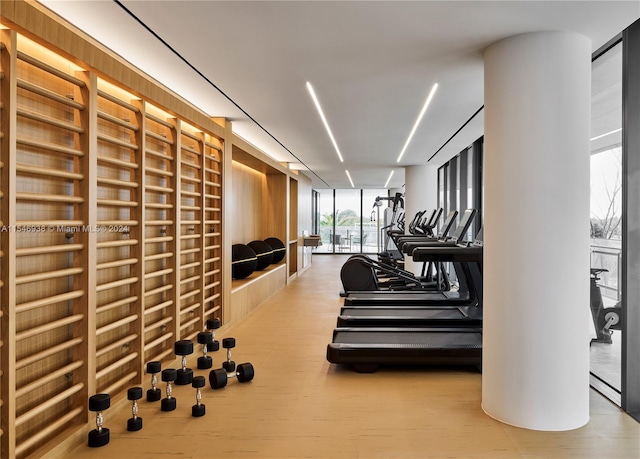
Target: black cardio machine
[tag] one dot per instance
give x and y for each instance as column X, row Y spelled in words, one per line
column 605, row 320
column 361, row 273
column 365, row 349
column 430, row 315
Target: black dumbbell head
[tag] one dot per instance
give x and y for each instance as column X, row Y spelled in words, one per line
column 133, row 425
column 168, row 404
column 134, row 393
column 184, row 377
column 154, row 367
column 198, row 381
column 245, row 372
column 205, row 337
column 183, row 347
column 229, row 343
column 204, row 363
column 169, row 374
column 99, row 402
column 213, row 324
column 229, row 366
column 218, row 378
column 213, row 347
column 98, row 438
column 198, row 410
column 153, row 395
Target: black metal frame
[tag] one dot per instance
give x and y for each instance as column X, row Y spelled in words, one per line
column 631, row 219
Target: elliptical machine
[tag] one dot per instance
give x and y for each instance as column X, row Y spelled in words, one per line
column 605, row 320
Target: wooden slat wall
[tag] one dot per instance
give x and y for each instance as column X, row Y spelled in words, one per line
column 113, row 248
column 160, row 234
column 212, row 229
column 118, row 188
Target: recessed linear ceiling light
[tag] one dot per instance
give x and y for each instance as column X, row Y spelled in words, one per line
column 324, row 120
column 606, row 134
column 389, row 179
column 349, row 175
column 415, row 126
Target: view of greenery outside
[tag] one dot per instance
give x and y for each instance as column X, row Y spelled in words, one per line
column 349, row 236
column 606, row 218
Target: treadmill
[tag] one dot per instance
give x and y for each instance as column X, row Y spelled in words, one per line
column 361, row 273
column 366, row 348
column 422, row 315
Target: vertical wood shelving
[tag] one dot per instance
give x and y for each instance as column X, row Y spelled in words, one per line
column 7, row 42
column 49, row 321
column 118, row 238
column 191, row 234
column 160, row 235
column 212, row 243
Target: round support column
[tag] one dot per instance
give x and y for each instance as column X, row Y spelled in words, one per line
column 421, row 192
column 536, row 231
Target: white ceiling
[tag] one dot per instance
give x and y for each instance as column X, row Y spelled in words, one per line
column 372, row 65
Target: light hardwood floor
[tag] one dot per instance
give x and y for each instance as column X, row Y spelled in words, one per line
column 300, row 406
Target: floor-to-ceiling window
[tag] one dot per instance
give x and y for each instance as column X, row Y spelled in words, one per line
column 460, row 184
column 348, row 220
column 352, row 220
column 377, row 219
column 606, row 221
column 324, row 220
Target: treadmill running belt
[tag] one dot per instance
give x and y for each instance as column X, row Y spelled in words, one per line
column 366, row 348
column 407, row 298
column 405, row 317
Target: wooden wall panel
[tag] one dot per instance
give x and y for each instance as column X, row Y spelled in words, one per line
column 247, row 206
column 117, row 196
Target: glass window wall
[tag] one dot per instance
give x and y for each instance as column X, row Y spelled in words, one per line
column 348, row 221
column 606, row 222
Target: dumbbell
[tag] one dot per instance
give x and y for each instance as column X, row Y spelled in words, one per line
column 154, row 394
column 169, row 403
column 100, row 435
column 198, row 409
column 218, row 378
column 228, row 344
column 184, row 348
column 209, row 343
column 134, row 423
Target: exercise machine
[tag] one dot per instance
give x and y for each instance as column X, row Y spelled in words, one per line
column 605, row 320
column 366, row 348
column 431, row 315
column 361, row 273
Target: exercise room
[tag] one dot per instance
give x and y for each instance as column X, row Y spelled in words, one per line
column 312, row 229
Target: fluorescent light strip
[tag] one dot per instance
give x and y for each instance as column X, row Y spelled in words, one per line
column 604, row 135
column 324, row 120
column 415, row 126
column 389, row 179
column 349, row 175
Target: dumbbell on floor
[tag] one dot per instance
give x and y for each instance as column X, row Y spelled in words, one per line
column 169, row 403
column 134, row 423
column 209, row 344
column 218, row 378
column 154, row 394
column 228, row 344
column 198, row 409
column 183, row 348
column 100, row 435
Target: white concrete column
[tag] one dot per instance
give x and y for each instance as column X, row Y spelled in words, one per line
column 420, row 193
column 536, row 231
